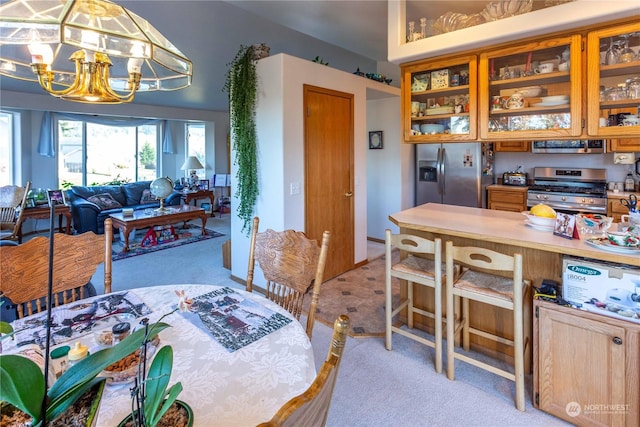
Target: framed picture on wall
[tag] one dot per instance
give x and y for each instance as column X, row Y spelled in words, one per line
column 56, row 197
column 375, row 139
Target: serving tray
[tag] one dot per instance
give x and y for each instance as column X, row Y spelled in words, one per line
column 605, row 244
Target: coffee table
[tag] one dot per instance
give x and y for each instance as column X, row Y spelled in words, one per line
column 149, row 218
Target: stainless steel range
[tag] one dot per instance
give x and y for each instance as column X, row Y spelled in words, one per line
column 569, row 190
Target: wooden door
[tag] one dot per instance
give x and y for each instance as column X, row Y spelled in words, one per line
column 328, row 145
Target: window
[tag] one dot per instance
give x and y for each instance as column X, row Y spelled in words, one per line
column 6, row 152
column 195, row 141
column 91, row 154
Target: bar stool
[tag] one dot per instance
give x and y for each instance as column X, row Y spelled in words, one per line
column 414, row 269
column 506, row 292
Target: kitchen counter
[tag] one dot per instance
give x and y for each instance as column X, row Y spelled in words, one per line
column 499, row 227
column 505, row 232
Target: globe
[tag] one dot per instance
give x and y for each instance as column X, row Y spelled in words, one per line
column 161, row 188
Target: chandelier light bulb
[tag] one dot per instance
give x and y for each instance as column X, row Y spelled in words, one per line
column 41, row 53
column 138, row 50
column 134, row 65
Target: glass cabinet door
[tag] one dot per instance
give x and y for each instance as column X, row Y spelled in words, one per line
column 531, row 90
column 613, row 70
column 439, row 100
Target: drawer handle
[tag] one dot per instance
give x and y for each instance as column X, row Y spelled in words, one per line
column 617, row 340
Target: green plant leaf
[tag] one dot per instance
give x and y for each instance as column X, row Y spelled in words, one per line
column 56, row 408
column 156, row 383
column 172, row 395
column 22, row 384
column 89, row 367
column 5, row 328
column 242, row 86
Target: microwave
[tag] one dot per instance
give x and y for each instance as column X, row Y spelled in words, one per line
column 578, row 146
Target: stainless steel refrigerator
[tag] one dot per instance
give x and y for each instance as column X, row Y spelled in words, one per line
column 454, row 173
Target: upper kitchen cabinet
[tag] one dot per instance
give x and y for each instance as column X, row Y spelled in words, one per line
column 489, row 28
column 439, row 100
column 531, row 90
column 613, row 72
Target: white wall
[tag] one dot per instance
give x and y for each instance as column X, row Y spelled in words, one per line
column 280, row 129
column 390, row 170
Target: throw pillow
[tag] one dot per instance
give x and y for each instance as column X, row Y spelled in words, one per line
column 105, row 201
column 147, row 197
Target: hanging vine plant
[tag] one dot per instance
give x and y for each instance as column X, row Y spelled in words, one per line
column 242, row 86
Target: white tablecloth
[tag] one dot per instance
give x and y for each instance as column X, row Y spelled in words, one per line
column 241, row 388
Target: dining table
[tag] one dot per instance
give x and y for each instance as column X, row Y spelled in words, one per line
column 226, row 382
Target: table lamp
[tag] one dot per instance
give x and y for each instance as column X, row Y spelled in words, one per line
column 192, row 163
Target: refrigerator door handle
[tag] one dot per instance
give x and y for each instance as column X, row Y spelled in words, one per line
column 443, row 171
column 439, row 170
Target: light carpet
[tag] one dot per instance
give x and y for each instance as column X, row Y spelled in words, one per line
column 191, row 234
column 360, row 293
column 375, row 387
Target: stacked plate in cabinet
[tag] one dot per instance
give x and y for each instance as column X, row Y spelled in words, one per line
column 552, row 101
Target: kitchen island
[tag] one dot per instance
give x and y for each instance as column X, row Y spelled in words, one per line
column 501, row 231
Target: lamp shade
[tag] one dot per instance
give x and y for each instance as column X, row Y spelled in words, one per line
column 192, row 162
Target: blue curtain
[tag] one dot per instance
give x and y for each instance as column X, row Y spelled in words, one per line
column 46, row 145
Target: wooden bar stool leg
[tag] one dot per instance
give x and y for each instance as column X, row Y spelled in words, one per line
column 465, row 324
column 410, row 306
column 438, row 328
column 451, row 320
column 388, row 300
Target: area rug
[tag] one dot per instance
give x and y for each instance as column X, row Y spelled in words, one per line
column 185, row 236
column 358, row 293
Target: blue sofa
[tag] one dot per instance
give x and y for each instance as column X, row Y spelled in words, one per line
column 89, row 215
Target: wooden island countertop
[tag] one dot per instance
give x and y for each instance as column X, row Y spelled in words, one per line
column 498, row 227
column 502, row 231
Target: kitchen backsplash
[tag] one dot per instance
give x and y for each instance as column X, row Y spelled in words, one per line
column 504, row 162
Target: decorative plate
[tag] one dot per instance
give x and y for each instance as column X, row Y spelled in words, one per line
column 538, row 227
column 606, row 245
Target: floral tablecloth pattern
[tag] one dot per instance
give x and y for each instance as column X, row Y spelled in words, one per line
column 240, row 388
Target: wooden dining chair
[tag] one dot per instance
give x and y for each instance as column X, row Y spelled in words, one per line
column 24, row 269
column 292, row 265
column 13, row 201
column 479, row 281
column 310, row 409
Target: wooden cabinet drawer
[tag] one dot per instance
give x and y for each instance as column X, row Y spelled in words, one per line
column 507, row 199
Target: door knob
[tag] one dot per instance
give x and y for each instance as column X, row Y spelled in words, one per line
column 349, row 194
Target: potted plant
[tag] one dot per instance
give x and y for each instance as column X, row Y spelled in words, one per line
column 151, row 399
column 242, row 85
column 23, row 384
